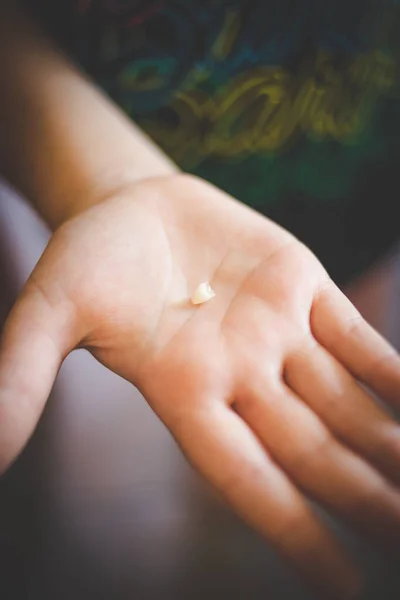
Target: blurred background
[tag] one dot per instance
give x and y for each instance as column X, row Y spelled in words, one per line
column 101, row 505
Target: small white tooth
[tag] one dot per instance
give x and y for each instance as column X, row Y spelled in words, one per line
column 203, row 293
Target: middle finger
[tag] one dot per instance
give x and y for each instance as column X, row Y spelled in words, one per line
column 347, row 410
column 317, row 462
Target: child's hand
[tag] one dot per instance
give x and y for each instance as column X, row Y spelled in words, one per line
column 258, row 385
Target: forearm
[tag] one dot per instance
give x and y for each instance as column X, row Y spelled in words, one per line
column 62, row 143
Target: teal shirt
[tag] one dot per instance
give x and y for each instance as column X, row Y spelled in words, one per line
column 292, row 106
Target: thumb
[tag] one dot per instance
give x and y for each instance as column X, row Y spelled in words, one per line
column 36, row 338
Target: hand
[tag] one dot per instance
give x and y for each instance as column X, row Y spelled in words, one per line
column 259, row 386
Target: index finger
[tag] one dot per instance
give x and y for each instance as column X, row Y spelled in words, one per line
column 340, row 328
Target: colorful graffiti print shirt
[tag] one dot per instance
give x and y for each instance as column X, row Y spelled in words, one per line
column 292, row 106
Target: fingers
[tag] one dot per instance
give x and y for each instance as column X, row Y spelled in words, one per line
column 317, row 463
column 338, row 326
column 228, row 454
column 348, row 411
column 35, row 340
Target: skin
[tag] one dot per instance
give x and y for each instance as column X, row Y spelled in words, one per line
column 260, row 386
column 256, row 386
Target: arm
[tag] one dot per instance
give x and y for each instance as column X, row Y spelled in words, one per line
column 258, row 386
column 63, row 143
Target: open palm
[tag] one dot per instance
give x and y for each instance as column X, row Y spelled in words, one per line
column 260, row 386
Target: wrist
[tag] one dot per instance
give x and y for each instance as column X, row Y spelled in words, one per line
column 64, row 144
column 118, row 186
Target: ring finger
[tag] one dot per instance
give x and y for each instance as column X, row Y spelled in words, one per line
column 331, row 392
column 317, row 462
